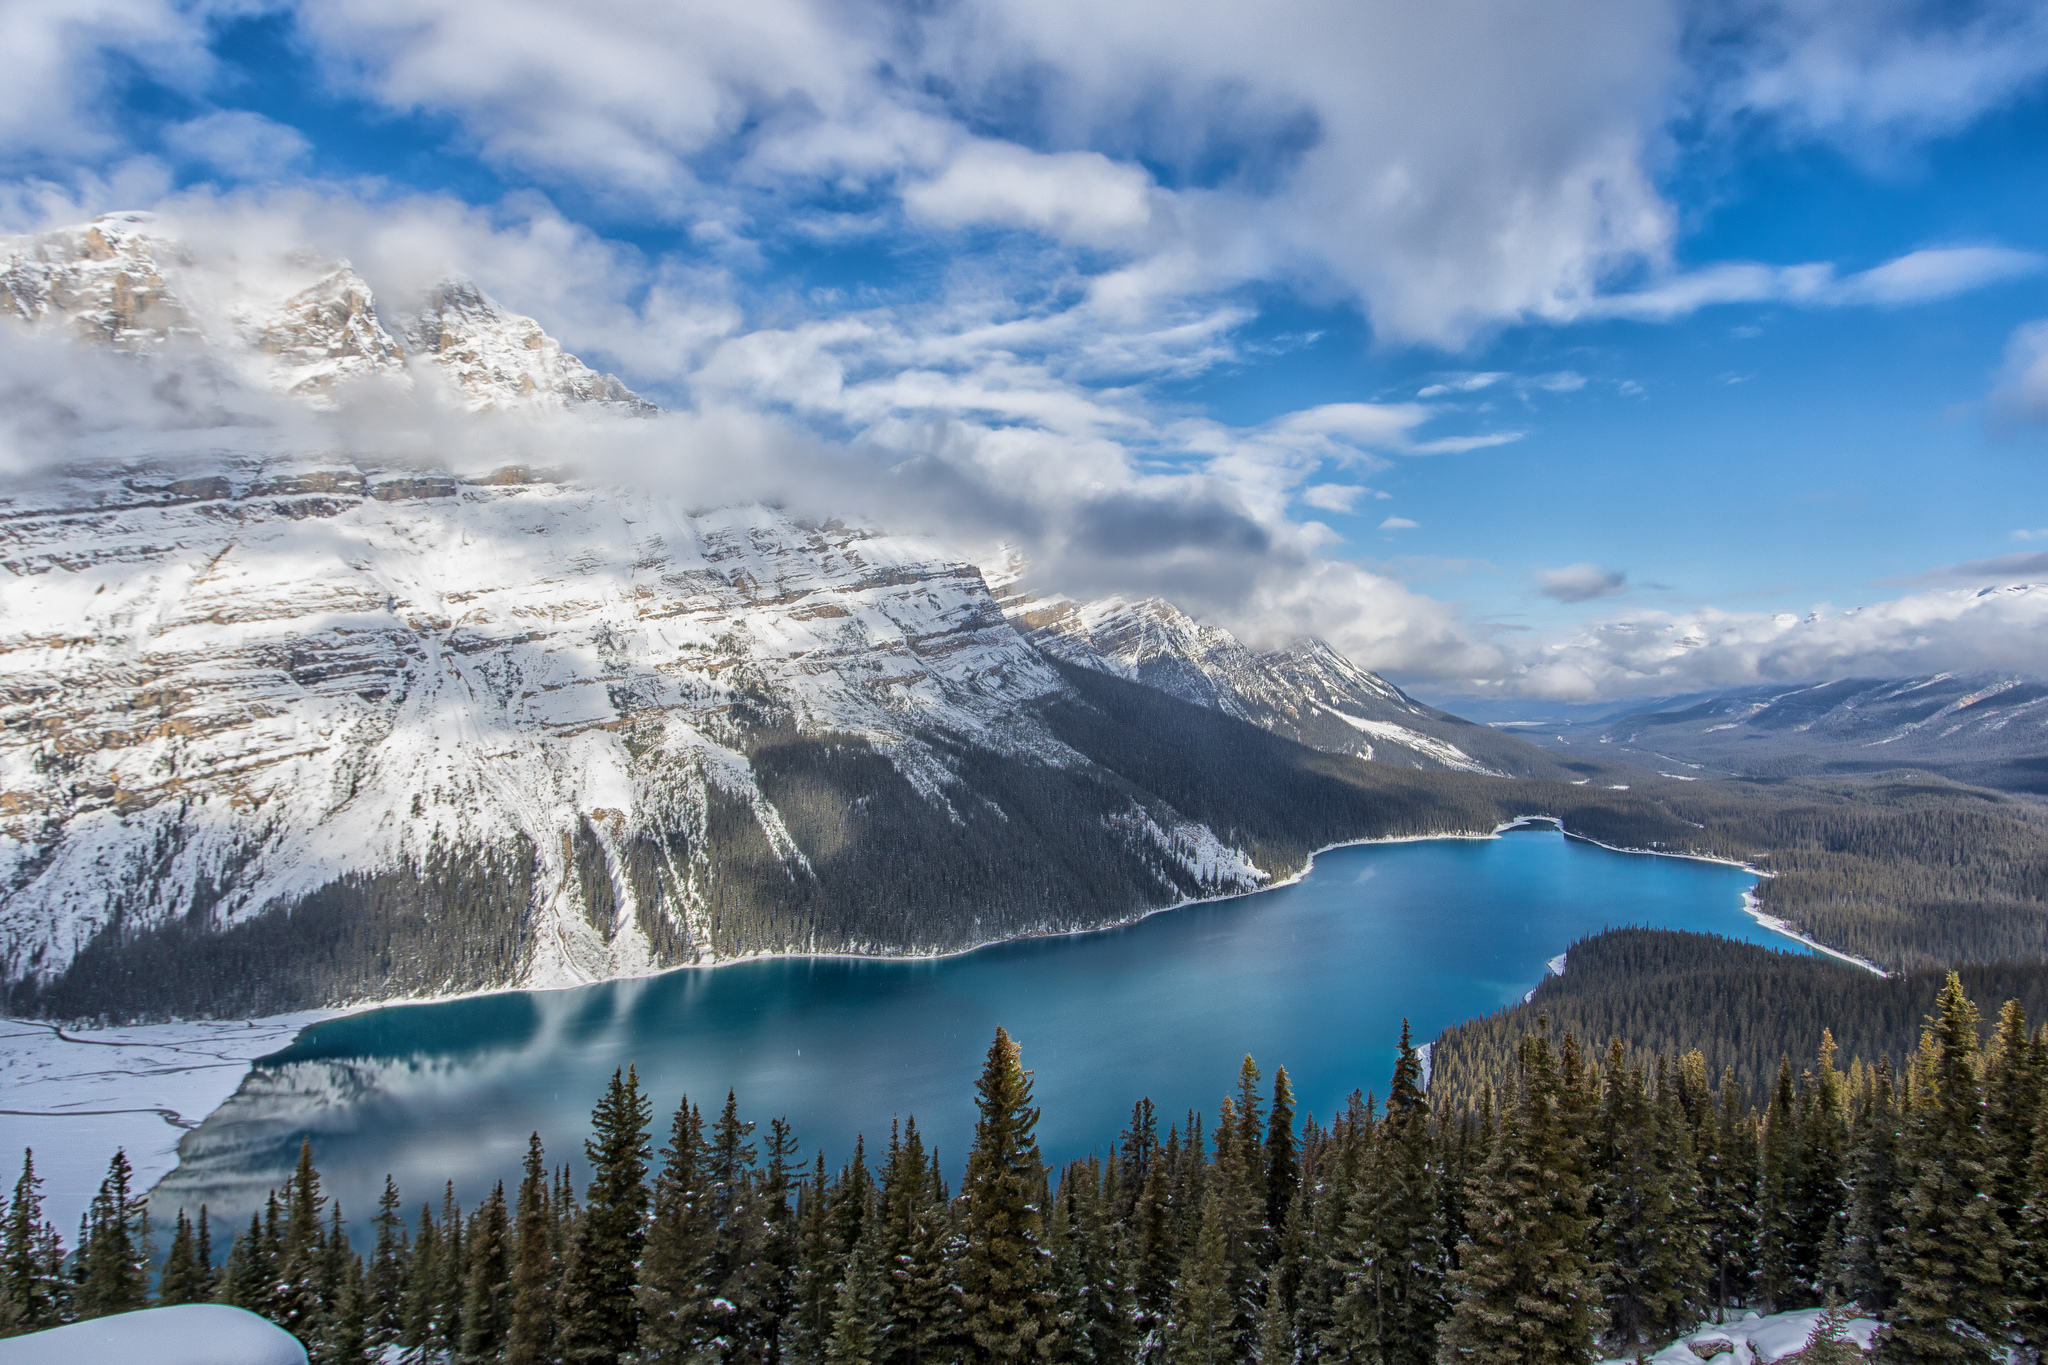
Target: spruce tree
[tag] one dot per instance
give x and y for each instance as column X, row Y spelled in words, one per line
column 1869, row 1255
column 451, row 1281
column 777, row 1252
column 600, row 1320
column 926, row 1306
column 385, row 1286
column 487, row 1280
column 677, row 1320
column 1642, row 1241
column 1953, row 1249
column 34, row 1294
column 114, row 1255
column 816, row 1290
column 299, row 1258
column 1392, row 1300
column 420, row 1329
column 1524, row 1290
column 1201, row 1320
column 1008, row 1308
column 1816, row 1196
column 341, row 1331
column 186, row 1278
column 530, row 1332
column 1283, row 1160
column 1777, row 1255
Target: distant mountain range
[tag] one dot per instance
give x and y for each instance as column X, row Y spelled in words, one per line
column 296, row 726
column 1987, row 729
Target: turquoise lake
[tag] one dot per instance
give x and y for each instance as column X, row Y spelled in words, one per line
column 1316, row 976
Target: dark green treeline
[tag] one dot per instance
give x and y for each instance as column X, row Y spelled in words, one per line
column 1585, row 1205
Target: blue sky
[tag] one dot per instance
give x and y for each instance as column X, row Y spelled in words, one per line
column 1612, row 350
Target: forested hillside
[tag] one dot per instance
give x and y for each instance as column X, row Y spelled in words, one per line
column 1743, row 1007
column 1587, row 1203
column 1170, row 802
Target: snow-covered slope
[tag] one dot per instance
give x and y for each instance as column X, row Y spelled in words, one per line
column 296, row 324
column 1982, row 727
column 283, row 726
column 222, row 692
column 1307, row 692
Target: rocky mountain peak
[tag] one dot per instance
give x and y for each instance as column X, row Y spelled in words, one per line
column 123, row 281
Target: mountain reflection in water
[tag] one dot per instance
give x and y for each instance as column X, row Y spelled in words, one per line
column 1316, row 976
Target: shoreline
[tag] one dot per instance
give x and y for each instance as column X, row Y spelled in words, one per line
column 266, row 1036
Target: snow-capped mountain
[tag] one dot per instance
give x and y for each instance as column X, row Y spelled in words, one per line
column 1307, row 692
column 303, row 328
column 284, row 726
column 1982, row 727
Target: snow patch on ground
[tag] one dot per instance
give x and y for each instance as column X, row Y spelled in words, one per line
column 1754, row 1339
column 75, row 1096
column 1444, row 752
column 189, row 1334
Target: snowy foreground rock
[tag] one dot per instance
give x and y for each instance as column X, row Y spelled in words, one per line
column 1753, row 1340
column 191, row 1334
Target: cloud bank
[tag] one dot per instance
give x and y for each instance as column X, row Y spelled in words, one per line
column 1121, row 174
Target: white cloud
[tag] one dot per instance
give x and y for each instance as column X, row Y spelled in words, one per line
column 1663, row 653
column 1081, row 197
column 1398, row 524
column 1916, row 277
column 238, row 143
column 1581, row 582
column 1334, row 497
column 65, row 63
column 1449, row 185
column 2022, row 387
column 1870, row 71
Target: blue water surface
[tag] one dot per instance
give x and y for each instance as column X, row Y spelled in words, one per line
column 1316, row 976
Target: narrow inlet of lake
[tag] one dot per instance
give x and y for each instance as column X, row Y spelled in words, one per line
column 1316, row 976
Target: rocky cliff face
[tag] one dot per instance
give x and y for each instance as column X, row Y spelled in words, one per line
column 295, row 727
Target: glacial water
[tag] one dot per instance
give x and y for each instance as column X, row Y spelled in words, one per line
column 1317, row 976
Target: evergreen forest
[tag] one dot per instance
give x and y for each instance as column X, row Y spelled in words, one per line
column 1578, row 1203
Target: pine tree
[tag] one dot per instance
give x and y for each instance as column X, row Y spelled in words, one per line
column 1953, row 1248
column 677, row 1320
column 487, row 1280
column 600, row 1321
column 927, row 1308
column 1816, row 1197
column 299, row 1300
column 1868, row 1253
column 186, row 1278
column 1008, row 1308
column 816, row 1295
column 385, row 1285
column 114, row 1254
column 1392, row 1300
column 1200, row 1322
column 859, row 1316
column 34, row 1294
column 1830, row 1343
column 420, row 1331
column 1642, row 1242
column 531, row 1330
column 1524, row 1289
column 450, row 1280
column 341, row 1331
column 1778, row 1150
column 1283, row 1159
column 738, row 1267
